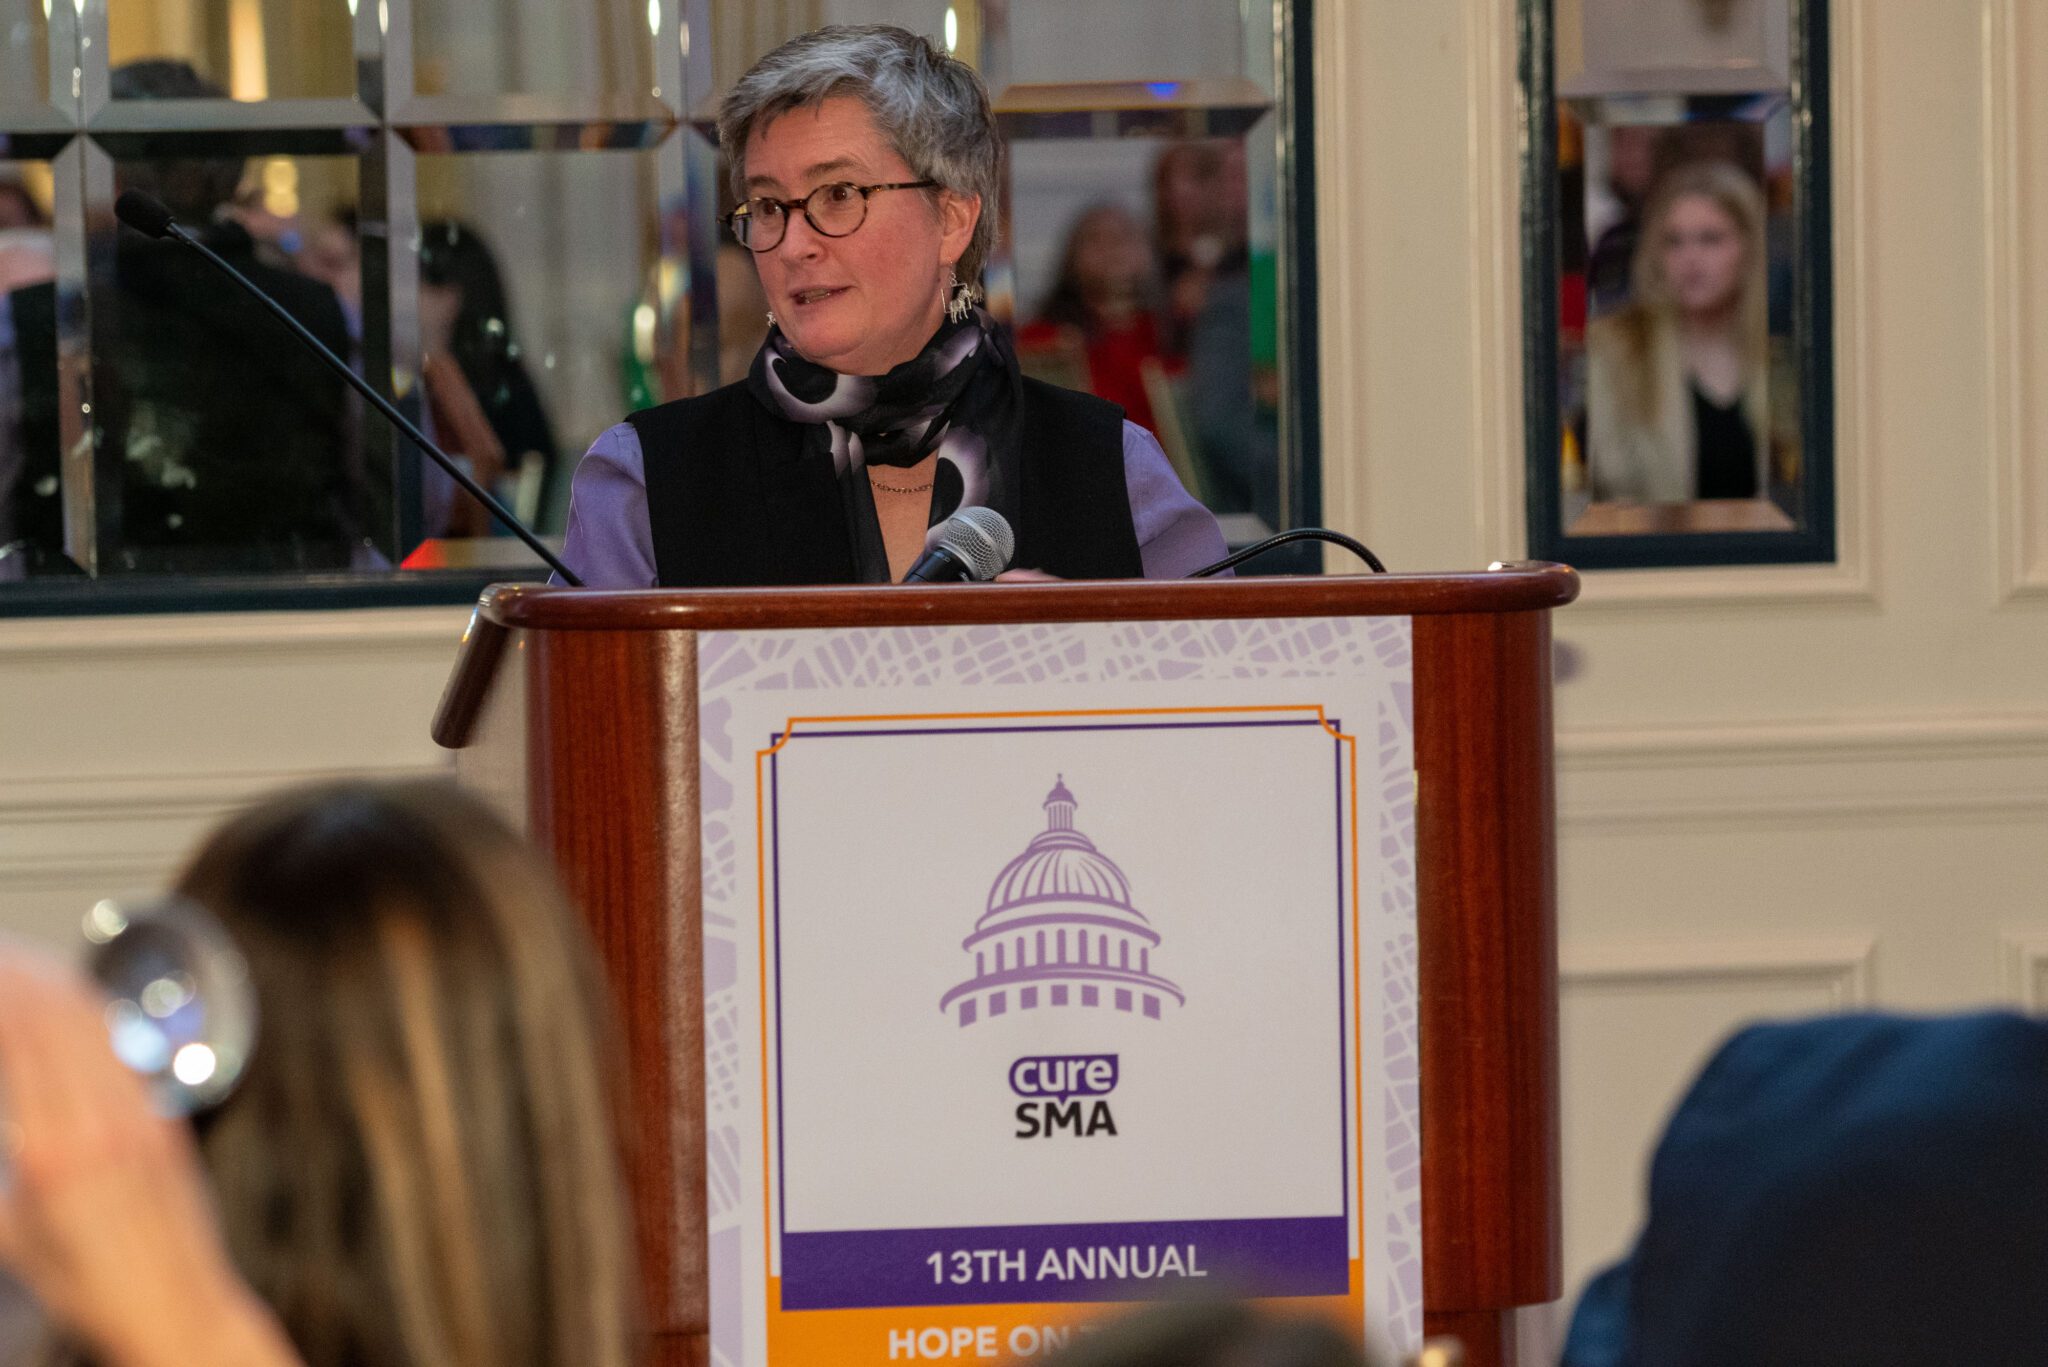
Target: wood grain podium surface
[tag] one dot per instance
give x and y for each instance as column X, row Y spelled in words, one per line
column 601, row 716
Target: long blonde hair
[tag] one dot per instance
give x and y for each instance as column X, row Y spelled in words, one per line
column 1648, row 324
column 420, row 1168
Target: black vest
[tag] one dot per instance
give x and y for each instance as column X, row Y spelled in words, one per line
column 734, row 499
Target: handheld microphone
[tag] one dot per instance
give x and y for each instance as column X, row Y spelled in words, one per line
column 974, row 545
column 147, row 215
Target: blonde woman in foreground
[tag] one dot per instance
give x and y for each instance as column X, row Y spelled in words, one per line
column 419, row 1168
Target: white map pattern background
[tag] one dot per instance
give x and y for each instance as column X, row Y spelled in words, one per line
column 731, row 663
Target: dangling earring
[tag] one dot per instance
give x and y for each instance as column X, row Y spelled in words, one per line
column 959, row 298
column 771, row 317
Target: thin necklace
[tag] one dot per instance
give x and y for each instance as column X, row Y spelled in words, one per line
column 900, row 488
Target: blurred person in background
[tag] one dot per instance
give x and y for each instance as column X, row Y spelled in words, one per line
column 28, row 257
column 1615, row 218
column 18, row 208
column 328, row 253
column 1101, row 308
column 471, row 365
column 1201, row 227
column 417, row 1169
column 223, row 446
column 1200, row 222
column 1676, row 392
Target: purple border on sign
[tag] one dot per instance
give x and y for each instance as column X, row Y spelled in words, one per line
column 1139, row 1260
column 836, row 1270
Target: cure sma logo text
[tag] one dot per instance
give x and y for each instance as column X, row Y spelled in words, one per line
column 1064, row 1094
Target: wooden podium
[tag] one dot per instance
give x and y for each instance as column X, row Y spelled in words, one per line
column 577, row 710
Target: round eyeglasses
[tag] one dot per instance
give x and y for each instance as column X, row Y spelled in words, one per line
column 834, row 210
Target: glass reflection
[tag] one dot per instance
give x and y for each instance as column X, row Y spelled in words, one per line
column 24, row 54
column 658, row 364
column 252, row 50
column 1681, row 389
column 535, row 271
column 29, row 492
column 532, row 47
column 743, row 30
column 181, row 1009
column 1139, row 279
column 222, row 445
column 1084, row 40
column 480, row 392
column 1146, row 229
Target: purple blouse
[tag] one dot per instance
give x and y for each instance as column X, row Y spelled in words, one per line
column 610, row 545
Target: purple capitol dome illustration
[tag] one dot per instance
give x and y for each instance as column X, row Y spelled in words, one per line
column 1060, row 931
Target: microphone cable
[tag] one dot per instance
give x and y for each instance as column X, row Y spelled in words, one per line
column 1236, row 558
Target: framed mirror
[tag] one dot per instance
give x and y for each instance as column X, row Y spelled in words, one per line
column 1677, row 276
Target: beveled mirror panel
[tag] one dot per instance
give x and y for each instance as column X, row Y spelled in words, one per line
column 588, row 50
column 218, row 446
column 1694, row 47
column 24, row 56
column 254, row 50
column 1677, row 277
column 547, row 359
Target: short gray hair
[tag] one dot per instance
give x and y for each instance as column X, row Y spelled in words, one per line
column 931, row 107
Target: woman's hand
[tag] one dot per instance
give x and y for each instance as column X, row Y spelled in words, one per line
column 103, row 1211
column 1026, row 577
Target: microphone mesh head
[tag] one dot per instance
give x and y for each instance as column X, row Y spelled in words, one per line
column 981, row 539
column 143, row 212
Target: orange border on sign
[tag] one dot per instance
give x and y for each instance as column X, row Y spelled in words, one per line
column 825, row 1338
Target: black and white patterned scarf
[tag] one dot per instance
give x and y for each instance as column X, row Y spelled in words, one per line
column 959, row 396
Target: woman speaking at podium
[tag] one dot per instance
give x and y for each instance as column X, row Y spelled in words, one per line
column 884, row 399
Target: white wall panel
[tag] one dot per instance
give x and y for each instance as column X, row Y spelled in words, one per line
column 2016, row 287
column 123, row 739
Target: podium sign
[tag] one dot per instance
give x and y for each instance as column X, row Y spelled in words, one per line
column 1055, row 965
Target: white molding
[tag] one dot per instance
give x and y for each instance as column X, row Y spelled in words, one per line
column 1844, row 967
column 1744, row 586
column 113, row 873
column 2019, row 502
column 122, row 833
column 354, row 631
column 1781, row 775
column 1767, row 814
column 101, row 799
column 1854, row 579
column 1799, row 740
column 2023, row 968
column 1493, row 221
